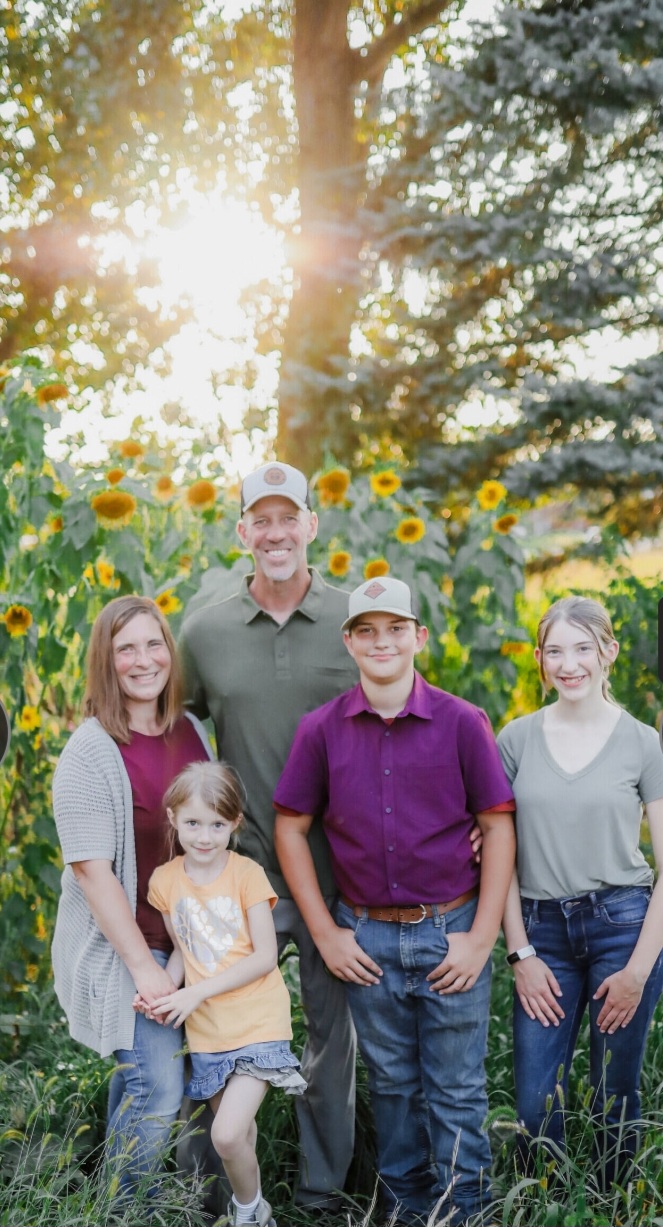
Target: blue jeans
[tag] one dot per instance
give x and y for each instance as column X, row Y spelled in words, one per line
column 583, row 940
column 425, row 1060
column 144, row 1098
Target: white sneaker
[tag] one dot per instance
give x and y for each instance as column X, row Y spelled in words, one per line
column 263, row 1216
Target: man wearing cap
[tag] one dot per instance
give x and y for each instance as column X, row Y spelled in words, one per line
column 398, row 770
column 254, row 662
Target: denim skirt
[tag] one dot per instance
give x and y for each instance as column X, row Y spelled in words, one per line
column 272, row 1062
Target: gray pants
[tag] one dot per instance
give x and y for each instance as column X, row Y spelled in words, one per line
column 326, row 1112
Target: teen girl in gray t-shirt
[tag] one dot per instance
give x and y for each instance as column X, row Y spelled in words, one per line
column 583, row 922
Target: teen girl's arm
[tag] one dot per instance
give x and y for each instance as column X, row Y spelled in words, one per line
column 536, row 986
column 341, row 954
column 469, row 952
column 109, row 905
column 622, row 990
column 176, row 1007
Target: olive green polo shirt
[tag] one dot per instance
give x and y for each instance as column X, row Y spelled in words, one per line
column 255, row 679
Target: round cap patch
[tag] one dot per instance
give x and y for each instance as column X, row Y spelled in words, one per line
column 274, row 477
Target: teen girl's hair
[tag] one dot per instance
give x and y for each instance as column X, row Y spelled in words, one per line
column 589, row 616
column 103, row 696
column 216, row 785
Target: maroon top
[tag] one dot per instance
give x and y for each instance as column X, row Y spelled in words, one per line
column 152, row 764
column 397, row 798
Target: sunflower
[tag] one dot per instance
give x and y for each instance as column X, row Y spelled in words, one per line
column 56, row 524
column 490, row 494
column 114, row 508
column 376, row 567
column 332, row 487
column 505, row 523
column 29, row 719
column 385, row 483
column 164, row 489
column 201, row 495
column 130, row 449
column 114, row 476
column 514, row 648
column 106, row 574
column 339, row 562
column 17, row 620
column 410, row 530
column 51, row 391
column 168, row 603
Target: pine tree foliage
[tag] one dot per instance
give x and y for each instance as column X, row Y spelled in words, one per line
column 527, row 204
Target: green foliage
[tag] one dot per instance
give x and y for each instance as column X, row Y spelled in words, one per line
column 52, row 1109
column 454, row 225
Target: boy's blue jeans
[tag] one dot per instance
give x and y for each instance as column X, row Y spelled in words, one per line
column 584, row 939
column 425, row 1059
column 144, row 1098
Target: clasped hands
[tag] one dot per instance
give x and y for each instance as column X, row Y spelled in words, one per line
column 173, row 1008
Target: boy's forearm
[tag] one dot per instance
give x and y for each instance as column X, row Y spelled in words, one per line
column 497, row 862
column 299, row 872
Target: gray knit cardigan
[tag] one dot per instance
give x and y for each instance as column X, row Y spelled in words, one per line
column 93, row 807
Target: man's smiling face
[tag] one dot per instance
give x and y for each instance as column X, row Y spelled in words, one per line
column 277, row 533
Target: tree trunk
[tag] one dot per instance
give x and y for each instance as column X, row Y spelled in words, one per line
column 312, row 406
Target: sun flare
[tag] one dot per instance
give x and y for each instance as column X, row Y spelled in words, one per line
column 220, row 250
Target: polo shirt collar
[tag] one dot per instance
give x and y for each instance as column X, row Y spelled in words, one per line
column 310, row 606
column 418, row 703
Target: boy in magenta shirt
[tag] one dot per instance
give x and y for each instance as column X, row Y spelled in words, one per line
column 399, row 770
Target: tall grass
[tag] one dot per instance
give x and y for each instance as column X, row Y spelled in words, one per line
column 52, row 1105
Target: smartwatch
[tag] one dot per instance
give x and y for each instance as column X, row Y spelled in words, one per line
column 519, row 955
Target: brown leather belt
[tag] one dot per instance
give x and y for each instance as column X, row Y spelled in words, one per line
column 409, row 915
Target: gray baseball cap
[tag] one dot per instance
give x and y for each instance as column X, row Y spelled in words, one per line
column 275, row 478
column 383, row 595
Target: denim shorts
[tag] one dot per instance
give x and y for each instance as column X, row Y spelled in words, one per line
column 272, row 1062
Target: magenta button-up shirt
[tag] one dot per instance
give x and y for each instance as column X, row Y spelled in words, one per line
column 397, row 798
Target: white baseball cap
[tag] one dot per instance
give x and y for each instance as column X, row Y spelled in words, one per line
column 383, row 595
column 275, row 478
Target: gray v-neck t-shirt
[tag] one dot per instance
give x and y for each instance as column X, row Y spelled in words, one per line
column 579, row 831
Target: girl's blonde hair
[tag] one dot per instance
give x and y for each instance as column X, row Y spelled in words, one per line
column 103, row 695
column 589, row 616
column 216, row 785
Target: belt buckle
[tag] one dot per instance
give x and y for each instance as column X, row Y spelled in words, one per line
column 423, row 915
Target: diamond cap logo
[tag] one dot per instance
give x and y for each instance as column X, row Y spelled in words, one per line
column 375, row 589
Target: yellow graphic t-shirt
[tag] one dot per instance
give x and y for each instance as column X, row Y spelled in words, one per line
column 212, row 929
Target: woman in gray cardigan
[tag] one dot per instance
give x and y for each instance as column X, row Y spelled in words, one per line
column 109, row 943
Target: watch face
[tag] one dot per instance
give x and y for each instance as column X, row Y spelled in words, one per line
column 4, row 732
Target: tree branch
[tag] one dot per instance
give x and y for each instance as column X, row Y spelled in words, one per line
column 370, row 66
